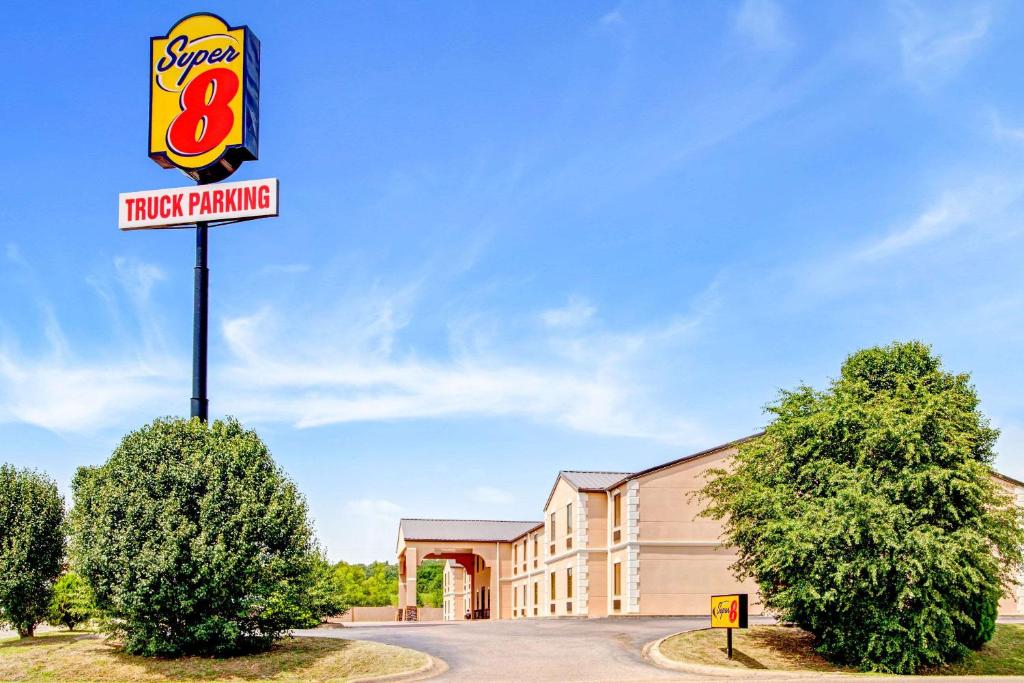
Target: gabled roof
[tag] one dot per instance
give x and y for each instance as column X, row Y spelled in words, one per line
column 585, row 480
column 592, row 481
column 692, row 456
column 1007, row 478
column 463, row 529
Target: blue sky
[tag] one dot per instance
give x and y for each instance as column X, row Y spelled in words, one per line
column 514, row 238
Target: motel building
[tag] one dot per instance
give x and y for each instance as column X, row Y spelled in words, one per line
column 610, row 543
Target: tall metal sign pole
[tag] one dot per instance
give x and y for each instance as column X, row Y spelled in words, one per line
column 200, row 325
column 204, row 92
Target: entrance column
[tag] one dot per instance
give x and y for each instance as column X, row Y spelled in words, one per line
column 410, row 578
column 401, row 586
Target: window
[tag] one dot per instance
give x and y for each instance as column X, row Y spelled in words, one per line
column 617, row 578
column 515, row 553
column 515, row 596
column 617, row 510
column 536, row 592
column 568, row 582
column 554, row 593
column 551, row 527
column 568, row 518
column 536, row 551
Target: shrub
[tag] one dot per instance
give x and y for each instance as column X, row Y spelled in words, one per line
column 71, row 603
column 869, row 516
column 194, row 542
column 31, row 546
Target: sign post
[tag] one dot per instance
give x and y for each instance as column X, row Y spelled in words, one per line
column 200, row 325
column 204, row 92
column 729, row 612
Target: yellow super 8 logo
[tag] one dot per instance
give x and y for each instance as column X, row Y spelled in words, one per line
column 204, row 97
column 729, row 611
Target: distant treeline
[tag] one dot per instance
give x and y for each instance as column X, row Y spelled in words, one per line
column 376, row 584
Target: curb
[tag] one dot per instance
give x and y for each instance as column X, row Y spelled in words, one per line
column 432, row 668
column 652, row 654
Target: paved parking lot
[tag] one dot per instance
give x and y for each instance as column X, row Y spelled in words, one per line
column 532, row 650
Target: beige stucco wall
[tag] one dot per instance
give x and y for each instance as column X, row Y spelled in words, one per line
column 598, row 584
column 1013, row 601
column 680, row 563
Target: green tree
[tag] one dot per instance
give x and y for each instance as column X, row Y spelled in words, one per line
column 194, row 542
column 31, row 546
column 430, row 583
column 71, row 603
column 382, row 584
column 366, row 585
column 868, row 514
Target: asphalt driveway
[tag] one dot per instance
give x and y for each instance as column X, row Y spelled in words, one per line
column 532, row 650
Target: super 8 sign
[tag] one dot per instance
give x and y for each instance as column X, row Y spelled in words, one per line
column 204, row 97
column 729, row 611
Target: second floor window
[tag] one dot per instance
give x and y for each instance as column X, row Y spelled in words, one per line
column 551, row 527
column 568, row 518
column 617, row 510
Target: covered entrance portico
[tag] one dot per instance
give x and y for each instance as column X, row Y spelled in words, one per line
column 479, row 547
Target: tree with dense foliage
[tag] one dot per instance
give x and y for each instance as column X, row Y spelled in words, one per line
column 376, row 584
column 430, row 583
column 869, row 516
column 366, row 585
column 31, row 546
column 71, row 603
column 194, row 542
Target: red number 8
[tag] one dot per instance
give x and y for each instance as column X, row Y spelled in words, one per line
column 204, row 122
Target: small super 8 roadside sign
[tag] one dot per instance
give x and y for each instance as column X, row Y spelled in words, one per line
column 729, row 611
column 204, row 97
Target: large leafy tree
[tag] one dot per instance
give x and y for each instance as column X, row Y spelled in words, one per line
column 430, row 583
column 31, row 546
column 194, row 542
column 868, row 513
column 366, row 585
column 71, row 603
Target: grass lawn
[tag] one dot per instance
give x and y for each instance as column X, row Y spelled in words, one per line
column 81, row 656
column 790, row 649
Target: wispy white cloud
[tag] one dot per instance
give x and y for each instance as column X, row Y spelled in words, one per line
column 63, row 395
column 582, row 380
column 938, row 39
column 1003, row 132
column 55, row 388
column 490, row 495
column 353, row 363
column 578, row 311
column 953, row 211
column 763, row 24
column 612, row 18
